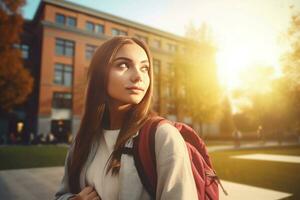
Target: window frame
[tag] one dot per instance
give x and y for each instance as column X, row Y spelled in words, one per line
column 57, row 15
column 66, row 47
column 62, row 100
column 89, row 51
column 156, row 43
column 62, row 73
column 87, row 23
column 97, row 29
column 116, row 32
column 68, row 20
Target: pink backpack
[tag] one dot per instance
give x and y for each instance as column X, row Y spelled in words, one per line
column 144, row 157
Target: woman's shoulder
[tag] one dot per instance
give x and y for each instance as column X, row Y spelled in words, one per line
column 167, row 130
column 169, row 138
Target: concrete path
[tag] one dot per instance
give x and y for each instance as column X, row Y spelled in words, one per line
column 30, row 184
column 238, row 191
column 42, row 183
column 270, row 157
column 253, row 145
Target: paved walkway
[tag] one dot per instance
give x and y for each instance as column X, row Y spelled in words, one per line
column 30, row 184
column 246, row 192
column 270, row 157
column 253, row 145
column 42, row 183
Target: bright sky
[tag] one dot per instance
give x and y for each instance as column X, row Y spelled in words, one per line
column 247, row 32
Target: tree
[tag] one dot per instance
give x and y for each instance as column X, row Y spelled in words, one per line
column 227, row 125
column 196, row 75
column 291, row 68
column 270, row 102
column 15, row 81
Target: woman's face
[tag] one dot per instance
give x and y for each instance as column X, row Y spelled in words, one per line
column 128, row 79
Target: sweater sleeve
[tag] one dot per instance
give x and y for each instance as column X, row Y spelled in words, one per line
column 64, row 192
column 175, row 178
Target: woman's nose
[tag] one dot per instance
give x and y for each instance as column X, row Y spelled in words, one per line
column 136, row 75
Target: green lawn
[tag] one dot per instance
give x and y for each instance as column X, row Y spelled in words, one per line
column 17, row 157
column 280, row 176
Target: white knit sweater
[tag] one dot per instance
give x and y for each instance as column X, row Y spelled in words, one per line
column 175, row 178
column 106, row 185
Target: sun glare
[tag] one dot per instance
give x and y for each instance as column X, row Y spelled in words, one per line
column 230, row 64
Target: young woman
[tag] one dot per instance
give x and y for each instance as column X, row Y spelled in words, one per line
column 117, row 104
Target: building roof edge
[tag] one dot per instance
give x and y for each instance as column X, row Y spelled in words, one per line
column 116, row 19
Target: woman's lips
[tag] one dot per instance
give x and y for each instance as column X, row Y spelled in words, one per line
column 134, row 88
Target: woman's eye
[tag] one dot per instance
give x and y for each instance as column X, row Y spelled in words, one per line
column 123, row 65
column 145, row 68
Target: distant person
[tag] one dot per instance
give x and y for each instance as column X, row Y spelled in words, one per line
column 117, row 105
column 260, row 134
column 279, row 135
column 50, row 138
column 31, row 138
column 237, row 136
column 12, row 138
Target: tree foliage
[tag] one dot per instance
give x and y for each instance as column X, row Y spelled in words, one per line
column 227, row 125
column 291, row 69
column 15, row 81
column 198, row 92
column 269, row 102
column 274, row 101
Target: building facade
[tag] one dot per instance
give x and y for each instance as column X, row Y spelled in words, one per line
column 59, row 43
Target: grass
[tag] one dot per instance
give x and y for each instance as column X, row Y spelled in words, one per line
column 280, row 176
column 18, row 157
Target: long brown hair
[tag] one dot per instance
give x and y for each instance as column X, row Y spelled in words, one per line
column 95, row 106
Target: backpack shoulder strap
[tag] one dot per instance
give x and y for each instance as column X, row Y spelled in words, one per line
column 190, row 136
column 144, row 154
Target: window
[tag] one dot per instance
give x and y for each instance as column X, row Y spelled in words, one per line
column 156, row 43
column 62, row 100
column 64, row 47
column 60, row 19
column 156, row 67
column 89, row 51
column 172, row 48
column 24, row 48
column 143, row 38
column 65, row 20
column 99, row 28
column 167, row 89
column 63, row 74
column 25, row 51
column 171, row 107
column 89, row 26
column 116, row 32
column 157, row 80
column 171, row 70
column 182, row 91
column 71, row 21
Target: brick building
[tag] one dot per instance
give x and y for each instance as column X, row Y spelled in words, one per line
column 57, row 46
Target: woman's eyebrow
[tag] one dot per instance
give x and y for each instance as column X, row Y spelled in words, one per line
column 145, row 61
column 128, row 59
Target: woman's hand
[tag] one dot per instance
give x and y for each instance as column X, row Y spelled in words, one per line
column 87, row 193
